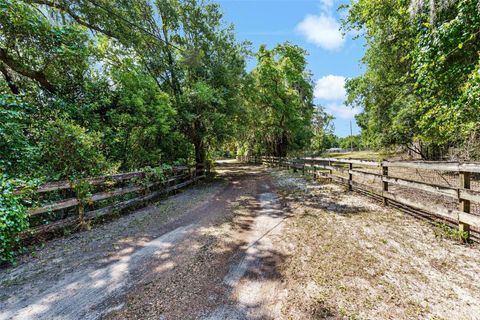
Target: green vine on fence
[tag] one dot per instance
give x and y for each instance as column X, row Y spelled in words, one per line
column 83, row 192
column 154, row 175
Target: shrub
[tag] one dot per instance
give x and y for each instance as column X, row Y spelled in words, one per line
column 17, row 150
column 71, row 152
column 13, row 220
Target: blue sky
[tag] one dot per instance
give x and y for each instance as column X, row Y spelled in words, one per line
column 313, row 25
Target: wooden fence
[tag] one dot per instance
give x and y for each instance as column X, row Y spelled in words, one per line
column 56, row 208
column 445, row 191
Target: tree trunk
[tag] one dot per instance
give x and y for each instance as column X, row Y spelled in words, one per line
column 81, row 215
column 281, row 146
column 200, row 155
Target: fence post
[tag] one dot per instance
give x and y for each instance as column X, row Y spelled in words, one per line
column 384, row 183
column 464, row 205
column 330, row 171
column 350, row 177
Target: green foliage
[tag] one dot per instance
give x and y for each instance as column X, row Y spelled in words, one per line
column 13, row 219
column 157, row 174
column 445, row 231
column 160, row 80
column 83, row 191
column 52, row 54
column 323, row 136
column 140, row 127
column 421, row 82
column 349, row 142
column 280, row 98
column 16, row 149
column 121, row 85
column 70, row 152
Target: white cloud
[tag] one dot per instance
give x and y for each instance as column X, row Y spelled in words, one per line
column 331, row 88
column 342, row 111
column 322, row 30
column 327, row 4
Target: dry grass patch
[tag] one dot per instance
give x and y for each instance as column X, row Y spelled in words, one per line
column 350, row 258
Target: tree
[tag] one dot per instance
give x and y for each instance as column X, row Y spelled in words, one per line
column 206, row 67
column 386, row 88
column 160, row 80
column 281, row 96
column 322, row 126
column 421, row 75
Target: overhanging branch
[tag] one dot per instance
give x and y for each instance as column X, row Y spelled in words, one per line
column 37, row 76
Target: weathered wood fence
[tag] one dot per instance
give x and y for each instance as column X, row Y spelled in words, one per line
column 446, row 191
column 56, row 207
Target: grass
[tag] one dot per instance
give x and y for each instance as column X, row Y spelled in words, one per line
column 445, row 231
column 364, row 155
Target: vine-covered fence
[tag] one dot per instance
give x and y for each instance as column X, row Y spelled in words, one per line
column 441, row 191
column 57, row 207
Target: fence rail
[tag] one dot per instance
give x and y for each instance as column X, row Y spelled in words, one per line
column 59, row 206
column 407, row 184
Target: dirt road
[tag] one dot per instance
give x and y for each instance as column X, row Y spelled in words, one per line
column 252, row 244
column 196, row 248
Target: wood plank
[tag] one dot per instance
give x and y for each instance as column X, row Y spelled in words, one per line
column 135, row 201
column 350, row 177
column 426, row 165
column 453, row 215
column 118, row 192
column 469, row 167
column 72, row 202
column 332, row 168
column 435, row 189
column 181, row 176
column 435, row 210
column 62, row 185
column 70, row 221
column 435, row 165
column 471, row 195
column 119, row 206
column 353, row 161
column 365, row 175
column 464, row 205
column 58, row 205
column 470, row 219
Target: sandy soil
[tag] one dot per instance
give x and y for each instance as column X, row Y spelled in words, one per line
column 350, row 258
column 253, row 244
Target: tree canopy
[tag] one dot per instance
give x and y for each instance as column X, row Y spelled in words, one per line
column 102, row 86
column 421, row 83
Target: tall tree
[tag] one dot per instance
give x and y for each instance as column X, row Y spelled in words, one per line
column 421, row 78
column 282, row 95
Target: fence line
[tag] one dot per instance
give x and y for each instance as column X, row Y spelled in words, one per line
column 393, row 189
column 135, row 192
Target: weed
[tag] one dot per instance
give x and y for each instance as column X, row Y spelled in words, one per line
column 443, row 230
